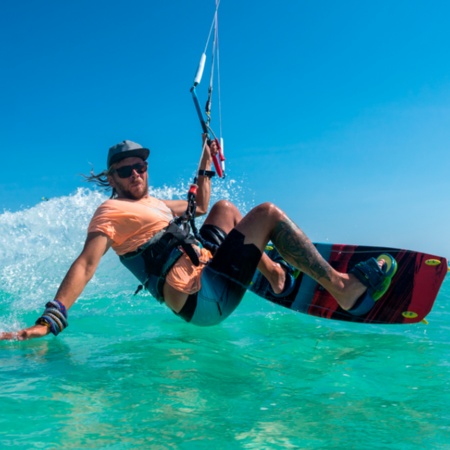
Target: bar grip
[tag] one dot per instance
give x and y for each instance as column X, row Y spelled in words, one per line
column 200, row 69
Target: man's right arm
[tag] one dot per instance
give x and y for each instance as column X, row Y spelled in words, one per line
column 83, row 268
column 79, row 274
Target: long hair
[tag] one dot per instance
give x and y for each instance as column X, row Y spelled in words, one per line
column 101, row 180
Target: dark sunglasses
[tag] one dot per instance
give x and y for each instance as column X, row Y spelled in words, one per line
column 126, row 171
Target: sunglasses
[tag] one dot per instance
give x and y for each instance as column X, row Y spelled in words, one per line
column 126, row 171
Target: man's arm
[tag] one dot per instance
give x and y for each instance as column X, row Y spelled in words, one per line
column 178, row 207
column 204, row 181
column 79, row 274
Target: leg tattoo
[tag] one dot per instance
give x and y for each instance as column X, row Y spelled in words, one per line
column 299, row 251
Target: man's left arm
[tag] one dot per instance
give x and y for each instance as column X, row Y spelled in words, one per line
column 204, row 177
column 178, row 207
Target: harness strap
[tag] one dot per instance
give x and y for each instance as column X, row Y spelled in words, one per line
column 184, row 238
column 158, row 256
column 153, row 282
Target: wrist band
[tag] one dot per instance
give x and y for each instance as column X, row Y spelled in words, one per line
column 206, row 173
column 54, row 317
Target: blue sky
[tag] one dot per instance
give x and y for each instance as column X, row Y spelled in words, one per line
column 336, row 111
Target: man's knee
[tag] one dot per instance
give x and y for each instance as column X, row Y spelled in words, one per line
column 224, row 206
column 224, row 215
column 267, row 210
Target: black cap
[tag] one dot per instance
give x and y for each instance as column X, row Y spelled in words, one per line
column 126, row 149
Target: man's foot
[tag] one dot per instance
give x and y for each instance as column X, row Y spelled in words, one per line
column 277, row 278
column 371, row 280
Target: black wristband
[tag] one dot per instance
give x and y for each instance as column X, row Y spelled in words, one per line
column 206, row 173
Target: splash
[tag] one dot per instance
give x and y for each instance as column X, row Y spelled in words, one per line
column 38, row 245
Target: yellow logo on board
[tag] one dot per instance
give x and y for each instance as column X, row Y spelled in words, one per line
column 432, row 262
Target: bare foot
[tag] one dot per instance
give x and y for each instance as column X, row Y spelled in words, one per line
column 277, row 278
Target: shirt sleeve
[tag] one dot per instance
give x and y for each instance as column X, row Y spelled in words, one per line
column 117, row 224
column 100, row 222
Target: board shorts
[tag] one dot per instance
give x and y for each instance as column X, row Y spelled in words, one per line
column 224, row 280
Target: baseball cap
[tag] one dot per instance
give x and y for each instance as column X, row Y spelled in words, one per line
column 126, row 149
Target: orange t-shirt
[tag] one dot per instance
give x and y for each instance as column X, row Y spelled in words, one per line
column 131, row 223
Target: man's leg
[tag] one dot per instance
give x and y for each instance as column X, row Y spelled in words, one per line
column 267, row 223
column 226, row 216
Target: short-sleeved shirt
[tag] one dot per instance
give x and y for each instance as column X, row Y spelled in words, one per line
column 131, row 223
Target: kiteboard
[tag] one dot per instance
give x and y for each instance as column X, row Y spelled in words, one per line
column 410, row 297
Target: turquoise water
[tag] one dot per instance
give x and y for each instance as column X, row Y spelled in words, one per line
column 128, row 374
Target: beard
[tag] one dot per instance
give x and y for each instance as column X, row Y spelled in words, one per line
column 132, row 194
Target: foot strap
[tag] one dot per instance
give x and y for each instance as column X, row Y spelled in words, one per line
column 369, row 273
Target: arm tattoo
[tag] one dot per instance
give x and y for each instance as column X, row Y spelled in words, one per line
column 298, row 250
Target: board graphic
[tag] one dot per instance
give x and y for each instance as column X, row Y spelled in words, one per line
column 409, row 298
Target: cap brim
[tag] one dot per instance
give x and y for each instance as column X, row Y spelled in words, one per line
column 142, row 153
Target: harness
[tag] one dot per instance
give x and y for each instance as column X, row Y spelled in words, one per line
column 151, row 262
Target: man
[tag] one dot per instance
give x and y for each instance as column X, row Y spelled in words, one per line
column 200, row 287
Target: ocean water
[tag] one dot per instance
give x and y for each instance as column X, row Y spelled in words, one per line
column 128, row 374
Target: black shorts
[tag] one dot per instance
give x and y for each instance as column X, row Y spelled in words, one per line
column 224, row 280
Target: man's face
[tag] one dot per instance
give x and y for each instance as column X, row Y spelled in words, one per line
column 129, row 178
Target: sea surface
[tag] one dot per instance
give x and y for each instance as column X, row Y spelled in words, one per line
column 128, row 374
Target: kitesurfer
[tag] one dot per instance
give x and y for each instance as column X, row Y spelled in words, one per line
column 201, row 287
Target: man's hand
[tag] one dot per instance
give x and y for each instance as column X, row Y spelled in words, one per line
column 210, row 145
column 213, row 148
column 35, row 331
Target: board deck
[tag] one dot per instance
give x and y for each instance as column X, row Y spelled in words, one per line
column 409, row 298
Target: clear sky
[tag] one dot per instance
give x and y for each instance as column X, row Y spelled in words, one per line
column 338, row 111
